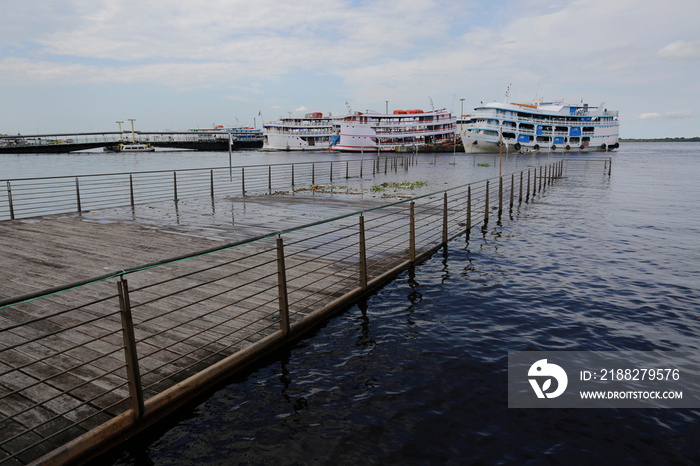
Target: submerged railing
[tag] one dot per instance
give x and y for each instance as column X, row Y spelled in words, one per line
column 86, row 364
column 31, row 197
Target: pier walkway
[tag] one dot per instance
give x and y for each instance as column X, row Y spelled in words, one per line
column 111, row 319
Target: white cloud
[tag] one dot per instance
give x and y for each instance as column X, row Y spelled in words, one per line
column 682, row 115
column 681, row 50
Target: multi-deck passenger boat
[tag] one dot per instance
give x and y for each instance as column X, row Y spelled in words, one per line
column 539, row 126
column 312, row 132
column 403, row 130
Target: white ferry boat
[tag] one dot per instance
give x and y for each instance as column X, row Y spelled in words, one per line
column 404, row 130
column 312, row 132
column 134, row 147
column 539, row 126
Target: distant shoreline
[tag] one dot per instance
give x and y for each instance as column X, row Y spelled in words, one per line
column 695, row 139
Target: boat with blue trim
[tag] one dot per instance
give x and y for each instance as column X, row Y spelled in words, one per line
column 539, row 127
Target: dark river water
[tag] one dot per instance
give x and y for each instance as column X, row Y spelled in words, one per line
column 417, row 373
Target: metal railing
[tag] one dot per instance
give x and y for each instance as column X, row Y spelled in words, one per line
column 31, row 197
column 84, row 364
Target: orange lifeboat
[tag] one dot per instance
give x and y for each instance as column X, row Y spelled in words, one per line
column 414, row 112
column 399, row 112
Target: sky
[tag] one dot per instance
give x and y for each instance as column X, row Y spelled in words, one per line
column 81, row 65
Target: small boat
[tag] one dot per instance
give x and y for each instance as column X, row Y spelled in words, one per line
column 134, row 147
column 401, row 131
column 539, row 127
column 312, row 132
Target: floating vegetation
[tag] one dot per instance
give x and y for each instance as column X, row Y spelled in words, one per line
column 399, row 185
column 484, row 164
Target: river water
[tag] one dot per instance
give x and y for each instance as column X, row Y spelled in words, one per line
column 417, row 373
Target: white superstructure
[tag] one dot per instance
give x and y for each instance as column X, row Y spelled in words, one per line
column 312, row 132
column 403, row 130
column 540, row 126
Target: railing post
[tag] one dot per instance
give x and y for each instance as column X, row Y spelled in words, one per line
column 211, row 178
column 386, row 161
column 363, row 254
column 469, row 208
column 361, row 163
column 243, row 181
column 527, row 197
column 486, row 205
column 77, row 193
column 292, row 175
column 412, row 234
column 444, row 218
column 609, row 166
column 9, row 199
column 269, row 179
column 175, row 185
column 512, row 189
column 313, row 173
column 500, row 196
column 347, row 169
column 282, row 287
column 131, row 189
column 540, row 190
column 331, row 175
column 520, row 195
column 132, row 360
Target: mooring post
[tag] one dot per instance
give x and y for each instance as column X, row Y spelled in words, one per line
column 132, row 360
column 175, row 185
column 363, row 254
column 412, row 234
column 486, row 204
column 444, row 218
column 469, row 209
column 77, row 193
column 282, row 287
column 9, row 199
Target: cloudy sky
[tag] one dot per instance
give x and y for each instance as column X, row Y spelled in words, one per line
column 81, row 65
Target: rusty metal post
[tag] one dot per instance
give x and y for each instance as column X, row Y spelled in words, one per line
column 175, row 185
column 363, row 254
column 520, row 195
column 77, row 193
column 412, row 234
column 527, row 197
column 486, row 205
column 444, row 218
column 500, row 196
column 469, row 208
column 132, row 360
column 9, row 199
column 282, row 287
column 131, row 189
